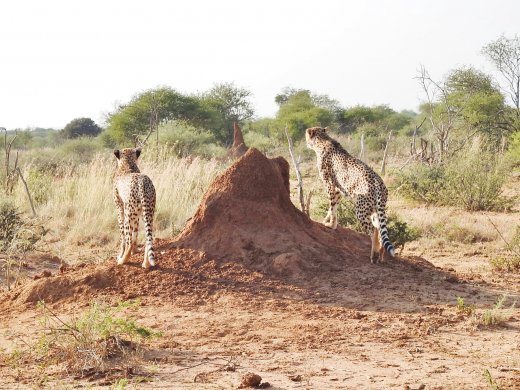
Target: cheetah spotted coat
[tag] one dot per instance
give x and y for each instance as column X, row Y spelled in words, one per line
column 344, row 174
column 134, row 194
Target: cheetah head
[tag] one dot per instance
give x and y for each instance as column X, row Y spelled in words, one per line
column 127, row 158
column 128, row 154
column 315, row 136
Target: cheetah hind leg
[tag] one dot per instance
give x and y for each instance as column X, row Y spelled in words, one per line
column 375, row 252
column 135, row 233
column 128, row 241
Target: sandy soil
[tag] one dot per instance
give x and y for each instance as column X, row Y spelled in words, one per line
column 366, row 326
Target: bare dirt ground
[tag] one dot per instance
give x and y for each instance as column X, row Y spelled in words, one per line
column 298, row 317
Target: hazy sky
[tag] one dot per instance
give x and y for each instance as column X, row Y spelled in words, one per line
column 62, row 60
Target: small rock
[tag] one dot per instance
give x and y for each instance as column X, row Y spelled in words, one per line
column 44, row 274
column 250, row 380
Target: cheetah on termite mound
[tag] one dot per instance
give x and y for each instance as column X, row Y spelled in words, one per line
column 134, row 194
column 343, row 173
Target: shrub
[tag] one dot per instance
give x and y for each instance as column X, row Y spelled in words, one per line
column 39, row 181
column 80, row 149
column 399, row 231
column 498, row 314
column 346, row 213
column 514, row 148
column 90, row 341
column 186, row 140
column 464, row 308
column 511, row 261
column 505, row 263
column 472, row 180
column 259, row 141
column 10, row 223
column 422, row 183
column 475, row 179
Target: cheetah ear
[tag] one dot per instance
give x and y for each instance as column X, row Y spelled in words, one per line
column 325, row 129
column 137, row 152
column 117, row 153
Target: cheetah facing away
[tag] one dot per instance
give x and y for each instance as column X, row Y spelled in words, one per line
column 133, row 193
column 342, row 173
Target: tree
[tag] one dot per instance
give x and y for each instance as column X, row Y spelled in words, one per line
column 463, row 104
column 227, row 103
column 81, row 127
column 299, row 109
column 479, row 101
column 145, row 111
column 440, row 114
column 504, row 53
column 382, row 118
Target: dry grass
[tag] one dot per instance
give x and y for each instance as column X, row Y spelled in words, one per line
column 77, row 203
column 456, row 225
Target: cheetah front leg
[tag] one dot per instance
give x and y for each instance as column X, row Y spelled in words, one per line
column 331, row 219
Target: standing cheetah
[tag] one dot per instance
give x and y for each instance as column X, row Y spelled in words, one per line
column 345, row 174
column 133, row 193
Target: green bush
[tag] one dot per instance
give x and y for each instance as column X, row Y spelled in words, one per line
column 472, row 180
column 90, row 341
column 399, row 231
column 513, row 150
column 511, row 261
column 106, row 139
column 259, row 141
column 346, row 213
column 475, row 180
column 10, row 223
column 80, row 149
column 423, row 183
column 186, row 140
column 39, row 181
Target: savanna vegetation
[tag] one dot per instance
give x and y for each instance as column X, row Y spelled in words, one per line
column 459, row 149
column 451, row 167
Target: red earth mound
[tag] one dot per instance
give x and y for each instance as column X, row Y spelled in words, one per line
column 245, row 234
column 247, row 215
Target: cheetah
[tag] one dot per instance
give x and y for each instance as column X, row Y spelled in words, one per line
column 345, row 174
column 133, row 193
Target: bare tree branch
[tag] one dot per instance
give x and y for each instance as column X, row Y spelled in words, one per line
column 296, row 164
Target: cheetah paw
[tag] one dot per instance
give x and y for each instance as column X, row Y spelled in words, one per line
column 332, row 225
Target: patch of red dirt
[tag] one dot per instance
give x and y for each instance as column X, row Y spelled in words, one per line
column 247, row 215
column 245, row 234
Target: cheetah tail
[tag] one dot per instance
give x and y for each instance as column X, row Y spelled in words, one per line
column 148, row 203
column 383, row 231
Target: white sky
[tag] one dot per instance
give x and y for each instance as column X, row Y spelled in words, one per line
column 61, row 60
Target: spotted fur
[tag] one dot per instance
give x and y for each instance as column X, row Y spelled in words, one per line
column 134, row 194
column 344, row 174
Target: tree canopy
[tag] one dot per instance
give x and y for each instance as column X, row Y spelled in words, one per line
column 299, row 109
column 504, row 53
column 148, row 109
column 224, row 104
column 81, row 127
